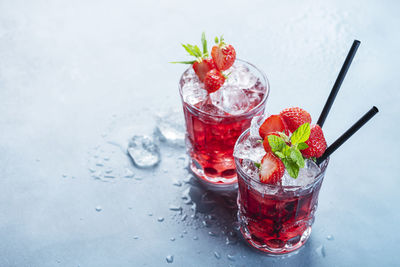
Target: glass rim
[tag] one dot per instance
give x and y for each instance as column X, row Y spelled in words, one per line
column 319, row 176
column 262, row 102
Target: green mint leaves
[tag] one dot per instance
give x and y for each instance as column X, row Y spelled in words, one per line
column 291, row 155
column 193, row 50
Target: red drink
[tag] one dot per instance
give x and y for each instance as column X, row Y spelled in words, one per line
column 274, row 218
column 215, row 121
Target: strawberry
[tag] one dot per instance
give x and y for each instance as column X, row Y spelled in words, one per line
column 201, row 68
column 203, row 62
column 316, row 143
column 266, row 145
column 224, row 55
column 271, row 169
column 294, row 117
column 213, row 80
column 273, row 123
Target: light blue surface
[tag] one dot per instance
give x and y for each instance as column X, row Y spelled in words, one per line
column 72, row 74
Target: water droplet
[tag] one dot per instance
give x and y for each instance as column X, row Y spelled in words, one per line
column 109, row 176
column 184, row 217
column 99, row 208
column 230, row 240
column 109, row 170
column 150, row 214
column 64, row 175
column 185, row 232
column 321, row 251
column 99, row 163
column 128, row 173
column 144, row 151
column 135, row 237
column 172, row 239
column 330, row 237
column 91, row 170
column 217, row 255
column 177, row 183
column 206, row 223
column 106, row 158
column 165, row 171
column 230, row 257
column 212, row 233
column 97, row 175
column 170, row 258
column 175, row 208
column 195, row 238
column 138, row 178
column 160, row 219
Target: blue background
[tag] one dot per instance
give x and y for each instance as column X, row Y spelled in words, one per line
column 75, row 74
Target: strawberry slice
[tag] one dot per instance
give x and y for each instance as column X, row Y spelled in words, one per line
column 294, row 117
column 201, row 68
column 224, row 55
column 271, row 169
column 272, row 124
column 213, row 80
column 316, row 143
column 266, row 145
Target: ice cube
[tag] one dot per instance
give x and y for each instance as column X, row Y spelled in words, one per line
column 208, row 107
column 306, row 175
column 254, row 126
column 171, row 128
column 250, row 149
column 144, row 151
column 241, row 76
column 193, row 90
column 231, row 99
column 249, row 168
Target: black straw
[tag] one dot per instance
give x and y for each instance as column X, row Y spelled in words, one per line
column 338, row 83
column 348, row 134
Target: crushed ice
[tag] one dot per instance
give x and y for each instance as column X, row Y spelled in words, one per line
column 144, row 151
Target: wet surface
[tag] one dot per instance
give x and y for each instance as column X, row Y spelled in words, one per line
column 79, row 81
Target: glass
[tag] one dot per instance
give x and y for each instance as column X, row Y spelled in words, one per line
column 272, row 218
column 210, row 138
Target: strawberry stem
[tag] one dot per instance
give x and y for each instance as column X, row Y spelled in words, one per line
column 204, row 43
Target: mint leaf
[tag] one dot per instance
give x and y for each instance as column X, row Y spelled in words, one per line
column 301, row 134
column 258, row 165
column 280, row 154
column 297, row 157
column 204, row 43
column 286, row 151
column 276, row 143
column 291, row 167
column 302, row 146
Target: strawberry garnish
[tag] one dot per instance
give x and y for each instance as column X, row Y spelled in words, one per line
column 271, row 169
column 224, row 55
column 272, row 124
column 316, row 143
column 213, row 80
column 294, row 117
column 203, row 62
column 202, row 67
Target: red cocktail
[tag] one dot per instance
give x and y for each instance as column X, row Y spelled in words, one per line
column 215, row 120
column 276, row 218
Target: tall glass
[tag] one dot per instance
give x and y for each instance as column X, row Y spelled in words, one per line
column 276, row 219
column 210, row 138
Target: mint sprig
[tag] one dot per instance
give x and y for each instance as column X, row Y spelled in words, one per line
column 291, row 155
